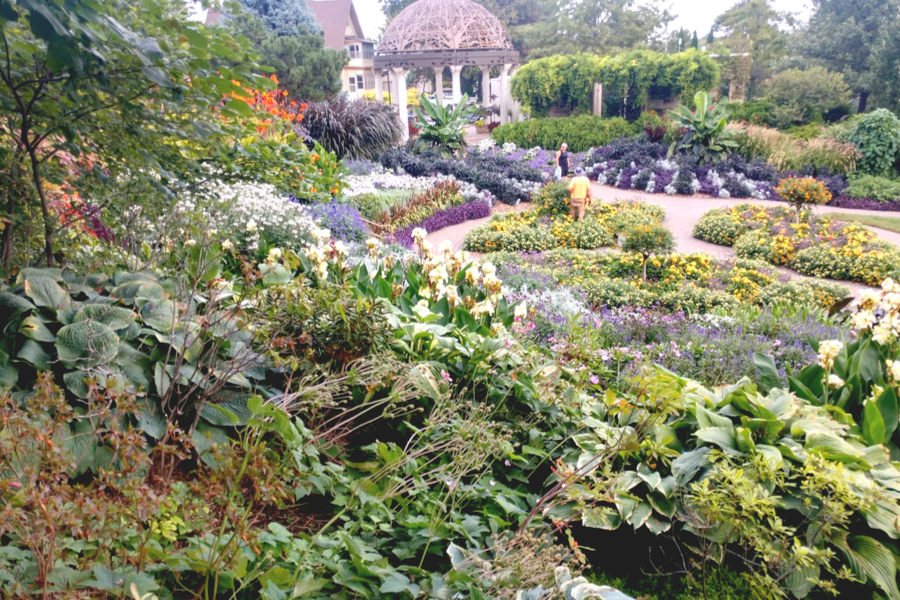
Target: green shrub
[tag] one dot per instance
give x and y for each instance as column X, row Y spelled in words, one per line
column 717, row 227
column 552, row 199
column 805, row 96
column 520, row 239
column 802, row 293
column 806, row 132
column 879, row 261
column 580, row 133
column 693, row 299
column 755, row 112
column 753, row 246
column 615, row 292
column 877, row 136
column 875, row 187
column 728, row 470
column 589, row 234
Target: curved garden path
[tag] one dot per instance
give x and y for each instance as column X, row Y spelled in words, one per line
column 682, row 213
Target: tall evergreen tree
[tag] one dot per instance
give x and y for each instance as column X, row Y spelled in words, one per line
column 285, row 17
column 695, row 41
column 304, row 66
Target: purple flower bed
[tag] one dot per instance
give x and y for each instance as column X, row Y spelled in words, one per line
column 864, row 204
column 476, row 209
column 343, row 220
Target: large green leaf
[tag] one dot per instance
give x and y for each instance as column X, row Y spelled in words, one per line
column 87, row 344
column 114, row 317
column 33, row 353
column 35, row 329
column 873, row 427
column 870, row 560
column 45, row 292
column 768, row 372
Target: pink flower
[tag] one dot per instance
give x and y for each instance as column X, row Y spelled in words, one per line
column 595, row 380
column 446, row 376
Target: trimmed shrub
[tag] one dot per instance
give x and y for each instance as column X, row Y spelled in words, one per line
column 878, row 188
column 580, row 133
column 614, row 293
column 805, row 96
column 717, row 227
column 802, row 293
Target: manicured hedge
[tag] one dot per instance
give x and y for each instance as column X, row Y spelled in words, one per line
column 580, row 133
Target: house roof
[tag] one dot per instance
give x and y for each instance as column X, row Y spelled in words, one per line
column 333, row 16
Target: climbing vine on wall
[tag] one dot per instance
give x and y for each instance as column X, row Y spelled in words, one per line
column 629, row 80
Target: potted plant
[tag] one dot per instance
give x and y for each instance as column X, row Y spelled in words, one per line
column 480, row 127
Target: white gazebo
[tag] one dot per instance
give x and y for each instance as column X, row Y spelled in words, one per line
column 445, row 33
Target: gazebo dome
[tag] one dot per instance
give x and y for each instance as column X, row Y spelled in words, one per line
column 435, row 25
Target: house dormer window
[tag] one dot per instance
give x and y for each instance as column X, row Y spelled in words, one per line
column 355, row 51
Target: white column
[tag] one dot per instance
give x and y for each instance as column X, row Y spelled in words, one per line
column 439, row 85
column 455, row 70
column 504, row 93
column 513, row 105
column 379, row 90
column 486, row 87
column 400, row 75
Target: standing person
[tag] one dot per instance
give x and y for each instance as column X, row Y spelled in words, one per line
column 562, row 161
column 580, row 188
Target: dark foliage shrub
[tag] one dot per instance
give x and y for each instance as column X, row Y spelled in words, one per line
column 476, row 209
column 684, row 181
column 353, row 128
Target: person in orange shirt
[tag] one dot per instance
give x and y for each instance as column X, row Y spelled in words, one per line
column 580, row 189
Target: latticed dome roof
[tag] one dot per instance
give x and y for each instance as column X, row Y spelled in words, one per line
column 429, row 25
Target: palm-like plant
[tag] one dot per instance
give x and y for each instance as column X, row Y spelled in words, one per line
column 705, row 137
column 440, row 128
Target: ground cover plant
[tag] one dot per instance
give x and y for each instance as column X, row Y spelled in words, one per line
column 816, row 245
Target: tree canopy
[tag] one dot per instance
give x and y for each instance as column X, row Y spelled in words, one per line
column 285, row 17
column 853, row 37
column 756, row 22
column 593, row 26
column 306, row 69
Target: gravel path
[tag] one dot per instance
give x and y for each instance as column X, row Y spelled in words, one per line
column 682, row 213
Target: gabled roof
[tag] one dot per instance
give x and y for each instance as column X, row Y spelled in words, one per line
column 333, row 16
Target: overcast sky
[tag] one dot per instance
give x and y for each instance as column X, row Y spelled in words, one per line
column 690, row 14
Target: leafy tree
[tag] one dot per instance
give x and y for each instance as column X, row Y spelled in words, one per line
column 130, row 94
column 593, row 26
column 847, row 36
column 304, row 66
column 759, row 22
column 285, row 17
column 805, row 96
column 647, row 240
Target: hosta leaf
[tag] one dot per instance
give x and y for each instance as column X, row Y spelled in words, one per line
column 657, row 525
column 87, row 344
column 662, row 505
column 686, row 466
column 12, row 305
column 35, row 329
column 114, row 317
column 45, row 292
column 228, row 413
column 133, row 290
column 870, row 560
column 718, row 436
column 160, row 316
column 204, row 438
column 74, row 381
column 640, row 514
column 33, row 353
